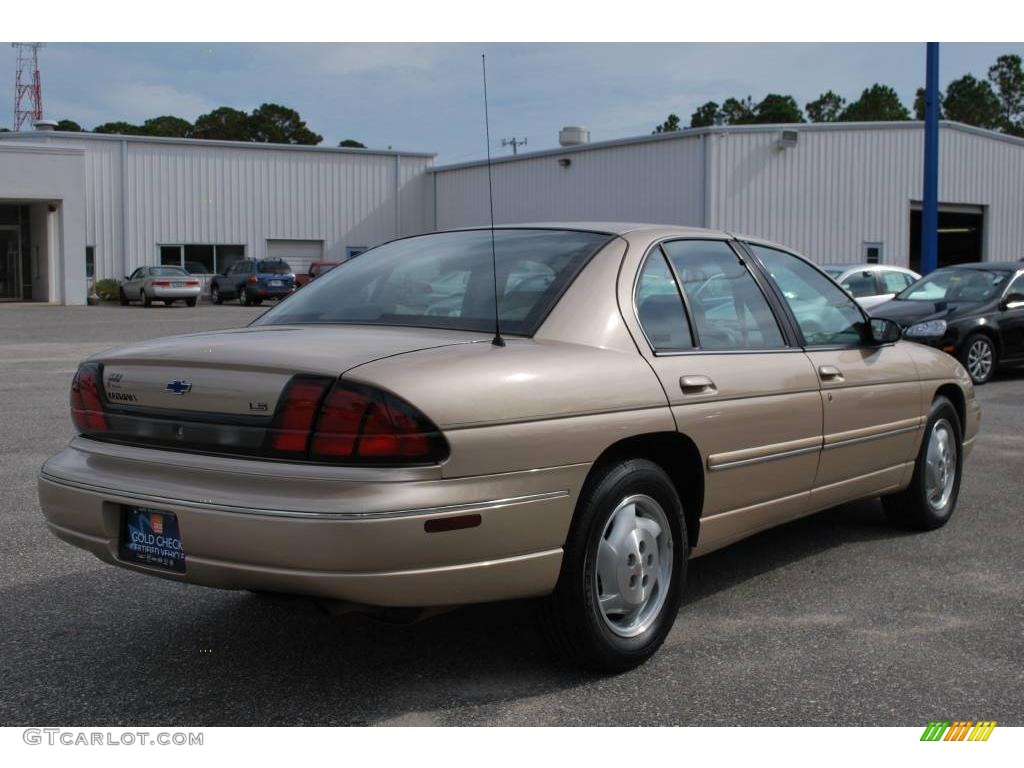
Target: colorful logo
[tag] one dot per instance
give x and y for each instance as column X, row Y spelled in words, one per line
column 156, row 522
column 959, row 730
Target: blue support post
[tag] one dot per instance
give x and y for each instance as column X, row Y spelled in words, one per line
column 930, row 209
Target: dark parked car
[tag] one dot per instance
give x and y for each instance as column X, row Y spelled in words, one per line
column 972, row 311
column 253, row 280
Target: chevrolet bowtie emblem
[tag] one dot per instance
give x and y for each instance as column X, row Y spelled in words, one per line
column 179, row 387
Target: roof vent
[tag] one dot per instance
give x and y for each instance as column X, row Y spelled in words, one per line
column 45, row 125
column 788, row 139
column 573, row 135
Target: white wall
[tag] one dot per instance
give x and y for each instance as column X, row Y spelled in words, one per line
column 839, row 188
column 659, row 181
column 238, row 194
column 30, row 173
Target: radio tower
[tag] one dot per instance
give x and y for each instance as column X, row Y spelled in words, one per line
column 28, row 88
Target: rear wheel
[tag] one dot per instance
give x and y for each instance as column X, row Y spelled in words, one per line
column 146, row 301
column 978, row 356
column 168, row 302
column 623, row 570
column 928, row 502
column 243, row 298
column 122, row 297
column 215, row 296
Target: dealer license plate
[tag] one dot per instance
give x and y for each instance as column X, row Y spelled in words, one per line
column 275, row 283
column 151, row 537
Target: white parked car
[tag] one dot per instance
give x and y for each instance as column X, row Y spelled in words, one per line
column 871, row 284
column 165, row 283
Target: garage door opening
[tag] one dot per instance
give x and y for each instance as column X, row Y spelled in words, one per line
column 961, row 237
column 298, row 253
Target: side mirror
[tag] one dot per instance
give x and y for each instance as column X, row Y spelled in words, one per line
column 1013, row 301
column 885, row 331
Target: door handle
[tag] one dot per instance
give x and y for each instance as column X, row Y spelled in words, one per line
column 830, row 373
column 697, row 385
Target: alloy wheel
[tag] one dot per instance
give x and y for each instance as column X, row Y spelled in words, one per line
column 979, row 359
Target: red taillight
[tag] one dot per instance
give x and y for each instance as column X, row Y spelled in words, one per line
column 191, row 283
column 86, row 402
column 295, row 417
column 352, row 424
column 162, row 283
column 253, row 280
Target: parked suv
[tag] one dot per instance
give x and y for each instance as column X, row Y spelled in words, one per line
column 253, row 280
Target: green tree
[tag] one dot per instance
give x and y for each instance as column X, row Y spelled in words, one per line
column 68, row 125
column 877, row 103
column 826, row 108
column 167, row 125
column 352, row 143
column 223, row 123
column 775, row 108
column 276, row 124
column 705, row 115
column 973, row 101
column 119, row 127
column 1007, row 76
column 738, row 111
column 671, row 125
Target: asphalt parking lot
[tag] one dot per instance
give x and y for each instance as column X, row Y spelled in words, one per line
column 836, row 619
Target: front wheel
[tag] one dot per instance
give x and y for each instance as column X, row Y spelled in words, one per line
column 243, row 298
column 978, row 356
column 623, row 570
column 122, row 297
column 146, row 300
column 215, row 296
column 928, row 502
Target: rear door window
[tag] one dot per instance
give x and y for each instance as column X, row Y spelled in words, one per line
column 859, row 284
column 727, row 307
column 659, row 307
column 894, row 282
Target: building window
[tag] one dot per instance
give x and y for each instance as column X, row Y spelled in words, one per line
column 354, row 250
column 873, row 253
column 202, row 259
column 90, row 261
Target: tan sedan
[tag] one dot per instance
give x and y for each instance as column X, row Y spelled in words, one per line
column 655, row 393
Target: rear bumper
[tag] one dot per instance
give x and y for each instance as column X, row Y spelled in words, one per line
column 356, row 541
column 174, row 293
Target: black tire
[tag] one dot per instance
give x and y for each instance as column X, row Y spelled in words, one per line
column 215, row 295
column 190, row 302
column 572, row 616
column 913, row 508
column 978, row 355
column 256, row 302
column 121, row 297
column 168, row 302
column 243, row 297
column 146, row 301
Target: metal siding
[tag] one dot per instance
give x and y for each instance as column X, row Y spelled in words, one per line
column 838, row 189
column 258, row 194
column 636, row 182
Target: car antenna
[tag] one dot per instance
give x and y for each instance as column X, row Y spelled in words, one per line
column 497, row 340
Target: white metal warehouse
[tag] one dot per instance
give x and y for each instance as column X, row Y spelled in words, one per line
column 837, row 192
column 74, row 205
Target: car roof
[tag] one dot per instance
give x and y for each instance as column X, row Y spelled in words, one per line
column 991, row 266
column 609, row 227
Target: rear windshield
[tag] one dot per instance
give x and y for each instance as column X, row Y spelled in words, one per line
column 276, row 267
column 446, row 281
column 167, row 272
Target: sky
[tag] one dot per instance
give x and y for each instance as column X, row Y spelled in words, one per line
column 428, row 97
